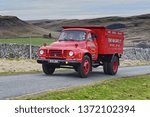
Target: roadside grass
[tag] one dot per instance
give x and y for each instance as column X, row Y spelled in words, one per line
column 132, row 88
column 126, row 63
column 18, row 73
column 13, row 66
column 34, row 41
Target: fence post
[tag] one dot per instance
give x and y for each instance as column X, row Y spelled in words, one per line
column 30, row 48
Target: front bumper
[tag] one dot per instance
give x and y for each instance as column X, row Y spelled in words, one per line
column 58, row 62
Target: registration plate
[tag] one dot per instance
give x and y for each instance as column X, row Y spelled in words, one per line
column 53, row 61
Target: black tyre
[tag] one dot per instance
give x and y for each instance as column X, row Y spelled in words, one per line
column 105, row 67
column 85, row 67
column 75, row 68
column 47, row 69
column 112, row 67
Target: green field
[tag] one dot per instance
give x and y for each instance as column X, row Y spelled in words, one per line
column 34, row 41
column 132, row 88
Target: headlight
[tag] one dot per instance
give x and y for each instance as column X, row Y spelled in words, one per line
column 41, row 52
column 71, row 53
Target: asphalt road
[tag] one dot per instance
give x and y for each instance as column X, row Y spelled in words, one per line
column 17, row 85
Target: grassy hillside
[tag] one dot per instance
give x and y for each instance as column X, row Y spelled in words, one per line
column 136, row 28
column 137, row 87
column 11, row 26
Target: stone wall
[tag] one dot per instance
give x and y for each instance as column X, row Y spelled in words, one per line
column 17, row 51
column 23, row 51
column 136, row 53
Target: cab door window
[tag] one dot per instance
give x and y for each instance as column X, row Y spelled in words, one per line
column 89, row 37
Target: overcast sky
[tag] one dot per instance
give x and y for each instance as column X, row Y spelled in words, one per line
column 72, row 9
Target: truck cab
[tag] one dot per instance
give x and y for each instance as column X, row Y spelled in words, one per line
column 77, row 48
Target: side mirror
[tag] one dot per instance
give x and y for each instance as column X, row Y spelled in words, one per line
column 94, row 36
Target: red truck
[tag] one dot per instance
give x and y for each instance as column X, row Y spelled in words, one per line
column 82, row 48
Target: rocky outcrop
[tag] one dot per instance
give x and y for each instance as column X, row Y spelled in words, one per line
column 23, row 51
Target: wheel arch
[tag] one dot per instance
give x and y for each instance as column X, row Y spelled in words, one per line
column 88, row 54
column 113, row 55
column 108, row 57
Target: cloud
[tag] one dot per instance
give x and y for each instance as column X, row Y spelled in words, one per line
column 58, row 9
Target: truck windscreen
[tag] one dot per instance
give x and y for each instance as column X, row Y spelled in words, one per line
column 72, row 35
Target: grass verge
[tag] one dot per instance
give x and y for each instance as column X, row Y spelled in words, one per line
column 132, row 88
column 34, row 41
column 18, row 73
column 10, row 66
column 19, row 66
column 127, row 63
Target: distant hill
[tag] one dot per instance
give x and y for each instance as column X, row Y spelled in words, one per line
column 11, row 26
column 136, row 28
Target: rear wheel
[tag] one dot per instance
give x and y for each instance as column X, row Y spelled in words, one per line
column 85, row 67
column 47, row 69
column 105, row 67
column 113, row 66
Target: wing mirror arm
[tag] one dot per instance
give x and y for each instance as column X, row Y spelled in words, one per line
column 94, row 36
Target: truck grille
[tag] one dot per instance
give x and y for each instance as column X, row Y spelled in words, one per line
column 56, row 53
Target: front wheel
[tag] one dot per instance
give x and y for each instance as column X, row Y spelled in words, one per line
column 85, row 67
column 75, row 68
column 47, row 69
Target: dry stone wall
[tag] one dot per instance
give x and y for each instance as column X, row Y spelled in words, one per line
column 136, row 54
column 23, row 51
column 17, row 51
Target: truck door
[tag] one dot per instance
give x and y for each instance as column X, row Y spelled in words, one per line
column 92, row 46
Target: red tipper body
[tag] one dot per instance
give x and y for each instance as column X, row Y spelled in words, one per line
column 109, row 41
